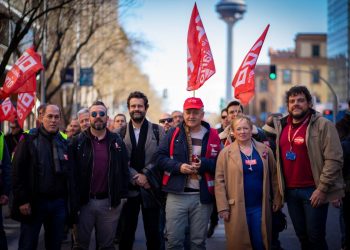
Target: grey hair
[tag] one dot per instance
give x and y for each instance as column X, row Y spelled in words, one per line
column 82, row 111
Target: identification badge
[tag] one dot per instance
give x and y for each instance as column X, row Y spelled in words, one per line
column 291, row 156
column 250, row 162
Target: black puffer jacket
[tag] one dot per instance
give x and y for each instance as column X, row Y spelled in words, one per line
column 81, row 159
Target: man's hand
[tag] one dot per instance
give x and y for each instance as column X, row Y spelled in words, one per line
column 224, row 215
column 4, row 199
column 25, row 209
column 188, row 169
column 336, row 203
column 276, row 207
column 318, row 198
column 141, row 180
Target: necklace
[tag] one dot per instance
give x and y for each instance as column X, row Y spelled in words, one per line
column 249, row 160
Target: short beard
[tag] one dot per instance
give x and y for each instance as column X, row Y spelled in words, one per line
column 100, row 126
column 300, row 116
column 137, row 119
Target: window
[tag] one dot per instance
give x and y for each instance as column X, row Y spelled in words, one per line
column 287, row 76
column 315, row 50
column 263, row 85
column 315, row 76
column 263, row 105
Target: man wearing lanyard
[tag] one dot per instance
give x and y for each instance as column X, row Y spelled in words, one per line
column 310, row 156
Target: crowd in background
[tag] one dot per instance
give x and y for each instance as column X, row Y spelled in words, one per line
column 98, row 174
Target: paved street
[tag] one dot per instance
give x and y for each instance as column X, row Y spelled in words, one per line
column 217, row 242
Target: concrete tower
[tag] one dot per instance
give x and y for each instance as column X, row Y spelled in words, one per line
column 230, row 11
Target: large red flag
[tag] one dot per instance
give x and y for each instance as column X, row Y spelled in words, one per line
column 7, row 111
column 22, row 73
column 25, row 104
column 243, row 82
column 200, row 62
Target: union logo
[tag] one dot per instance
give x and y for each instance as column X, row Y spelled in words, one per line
column 299, row 140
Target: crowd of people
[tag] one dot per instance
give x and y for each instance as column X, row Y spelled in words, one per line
column 181, row 173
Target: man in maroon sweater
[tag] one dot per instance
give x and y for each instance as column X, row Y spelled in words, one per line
column 310, row 156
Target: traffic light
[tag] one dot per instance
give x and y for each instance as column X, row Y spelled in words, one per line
column 273, row 74
column 327, row 112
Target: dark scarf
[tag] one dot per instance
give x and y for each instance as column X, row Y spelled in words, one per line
column 56, row 150
column 137, row 159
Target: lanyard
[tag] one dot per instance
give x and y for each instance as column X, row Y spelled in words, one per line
column 296, row 132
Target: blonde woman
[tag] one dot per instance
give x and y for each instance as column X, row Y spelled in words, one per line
column 245, row 173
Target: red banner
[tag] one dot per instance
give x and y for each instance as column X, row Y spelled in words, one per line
column 7, row 111
column 200, row 62
column 25, row 104
column 22, row 73
column 243, row 81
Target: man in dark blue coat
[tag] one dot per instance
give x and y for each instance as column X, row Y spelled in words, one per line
column 187, row 155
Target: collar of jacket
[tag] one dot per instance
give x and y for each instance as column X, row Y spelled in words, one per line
column 314, row 116
column 109, row 136
column 46, row 134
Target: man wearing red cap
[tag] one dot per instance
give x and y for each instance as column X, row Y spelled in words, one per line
column 187, row 155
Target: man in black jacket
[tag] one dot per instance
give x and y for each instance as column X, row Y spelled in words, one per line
column 41, row 182
column 100, row 163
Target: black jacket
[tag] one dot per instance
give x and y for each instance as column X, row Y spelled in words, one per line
column 81, row 159
column 34, row 173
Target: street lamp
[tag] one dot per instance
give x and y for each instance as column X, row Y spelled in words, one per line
column 230, row 11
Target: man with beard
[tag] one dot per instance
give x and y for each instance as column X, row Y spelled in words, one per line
column 310, row 155
column 100, row 163
column 141, row 142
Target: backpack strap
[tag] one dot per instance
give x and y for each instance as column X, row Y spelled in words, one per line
column 155, row 129
column 166, row 175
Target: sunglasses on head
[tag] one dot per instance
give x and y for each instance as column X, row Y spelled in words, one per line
column 169, row 120
column 100, row 113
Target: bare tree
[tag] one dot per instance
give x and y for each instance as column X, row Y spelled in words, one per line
column 24, row 20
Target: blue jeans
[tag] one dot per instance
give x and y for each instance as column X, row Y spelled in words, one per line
column 309, row 222
column 51, row 213
column 254, row 225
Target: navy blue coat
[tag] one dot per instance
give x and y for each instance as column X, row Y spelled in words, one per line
column 177, row 181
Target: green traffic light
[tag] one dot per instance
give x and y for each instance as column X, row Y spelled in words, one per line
column 273, row 76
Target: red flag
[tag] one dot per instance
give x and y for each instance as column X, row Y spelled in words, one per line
column 7, row 111
column 25, row 104
column 244, row 78
column 200, row 62
column 24, row 69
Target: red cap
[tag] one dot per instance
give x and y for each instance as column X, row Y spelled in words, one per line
column 193, row 103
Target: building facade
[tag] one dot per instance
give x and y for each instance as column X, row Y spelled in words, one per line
column 306, row 65
column 338, row 47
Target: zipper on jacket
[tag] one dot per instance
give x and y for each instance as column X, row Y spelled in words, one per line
column 108, row 176
column 93, row 165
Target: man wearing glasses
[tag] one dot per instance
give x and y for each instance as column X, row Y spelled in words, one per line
column 166, row 121
column 100, row 161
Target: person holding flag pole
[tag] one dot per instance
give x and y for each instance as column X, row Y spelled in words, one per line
column 187, row 154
